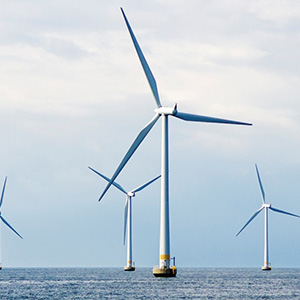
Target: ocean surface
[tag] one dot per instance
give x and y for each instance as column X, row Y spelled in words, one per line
column 114, row 283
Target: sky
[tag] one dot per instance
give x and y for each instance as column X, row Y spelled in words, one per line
column 73, row 95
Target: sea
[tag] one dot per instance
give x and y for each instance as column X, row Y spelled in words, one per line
column 114, row 283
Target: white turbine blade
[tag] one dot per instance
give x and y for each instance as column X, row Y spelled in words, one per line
column 199, row 118
column 131, row 150
column 6, row 223
column 148, row 73
column 107, row 179
column 3, row 189
column 125, row 219
column 283, row 212
column 254, row 215
column 260, row 185
column 145, row 185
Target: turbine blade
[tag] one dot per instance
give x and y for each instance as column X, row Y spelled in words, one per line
column 254, row 215
column 145, row 185
column 261, row 186
column 199, row 118
column 3, row 189
column 283, row 212
column 131, row 150
column 148, row 73
column 6, row 223
column 125, row 219
column 107, row 179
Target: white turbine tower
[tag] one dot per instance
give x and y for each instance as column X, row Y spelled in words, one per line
column 128, row 215
column 2, row 219
column 164, row 269
column 265, row 206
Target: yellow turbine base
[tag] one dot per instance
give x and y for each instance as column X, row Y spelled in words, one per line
column 266, row 268
column 127, row 268
column 165, row 272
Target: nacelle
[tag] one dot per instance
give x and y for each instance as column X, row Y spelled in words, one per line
column 166, row 110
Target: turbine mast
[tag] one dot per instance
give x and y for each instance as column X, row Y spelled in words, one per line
column 266, row 266
column 164, row 255
column 129, row 236
column 164, row 269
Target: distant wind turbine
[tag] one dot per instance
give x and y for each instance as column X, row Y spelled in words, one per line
column 265, row 206
column 164, row 269
column 128, row 215
column 2, row 219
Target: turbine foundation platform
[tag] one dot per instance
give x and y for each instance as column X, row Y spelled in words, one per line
column 165, row 272
column 129, row 268
column 266, row 268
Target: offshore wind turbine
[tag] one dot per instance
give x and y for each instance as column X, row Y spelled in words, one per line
column 128, row 215
column 2, row 219
column 164, row 269
column 265, row 206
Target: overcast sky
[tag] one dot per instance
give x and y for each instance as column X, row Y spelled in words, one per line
column 73, row 95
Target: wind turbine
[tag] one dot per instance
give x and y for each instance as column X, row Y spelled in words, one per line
column 164, row 269
column 2, row 219
column 265, row 206
column 128, row 215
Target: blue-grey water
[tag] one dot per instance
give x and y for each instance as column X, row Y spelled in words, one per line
column 114, row 283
